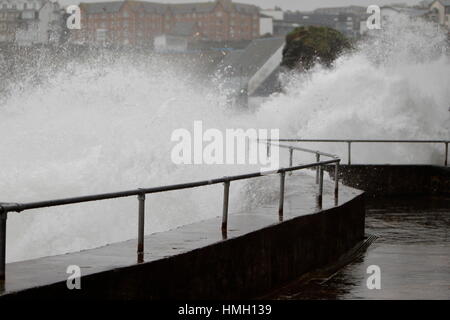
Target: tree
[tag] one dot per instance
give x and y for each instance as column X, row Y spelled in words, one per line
column 307, row 45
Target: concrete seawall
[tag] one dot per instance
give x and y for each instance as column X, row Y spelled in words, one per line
column 396, row 180
column 252, row 261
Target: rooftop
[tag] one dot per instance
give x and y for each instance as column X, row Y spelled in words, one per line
column 445, row 3
column 180, row 8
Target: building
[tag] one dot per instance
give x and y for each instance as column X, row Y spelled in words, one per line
column 441, row 8
column 346, row 23
column 388, row 13
column 9, row 19
column 120, row 22
column 356, row 10
column 265, row 25
column 139, row 22
column 276, row 13
column 391, row 11
column 178, row 39
column 28, row 22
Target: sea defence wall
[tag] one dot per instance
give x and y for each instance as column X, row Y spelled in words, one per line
column 247, row 264
column 396, row 180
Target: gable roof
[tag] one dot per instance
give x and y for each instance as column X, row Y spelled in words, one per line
column 102, row 7
column 161, row 8
column 445, row 3
column 116, row 6
column 149, row 7
column 246, row 8
column 200, row 7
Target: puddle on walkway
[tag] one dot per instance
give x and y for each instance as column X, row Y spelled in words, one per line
column 412, row 251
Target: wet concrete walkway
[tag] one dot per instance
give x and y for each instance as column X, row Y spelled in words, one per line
column 300, row 200
column 412, row 251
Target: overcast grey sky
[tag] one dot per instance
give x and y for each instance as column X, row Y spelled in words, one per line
column 285, row 4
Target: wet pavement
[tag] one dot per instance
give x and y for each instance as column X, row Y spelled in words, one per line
column 412, row 251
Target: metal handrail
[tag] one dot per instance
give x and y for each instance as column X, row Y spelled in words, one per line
column 350, row 141
column 5, row 208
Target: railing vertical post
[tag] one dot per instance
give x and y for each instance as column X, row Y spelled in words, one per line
column 291, row 159
column 281, row 206
column 226, row 196
column 336, row 181
column 268, row 148
column 320, row 195
column 3, row 217
column 318, row 168
column 141, row 228
column 349, row 152
column 446, row 154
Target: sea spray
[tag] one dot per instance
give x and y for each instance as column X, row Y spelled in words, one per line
column 396, row 85
column 105, row 124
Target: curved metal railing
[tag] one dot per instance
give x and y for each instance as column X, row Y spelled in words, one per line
column 349, row 143
column 6, row 208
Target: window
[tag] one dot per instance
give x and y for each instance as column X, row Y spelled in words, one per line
column 100, row 35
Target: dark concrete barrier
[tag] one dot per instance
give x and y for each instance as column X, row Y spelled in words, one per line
column 396, row 180
column 243, row 267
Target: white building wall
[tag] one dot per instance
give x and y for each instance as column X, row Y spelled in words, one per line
column 160, row 43
column 42, row 29
column 266, row 26
column 441, row 11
